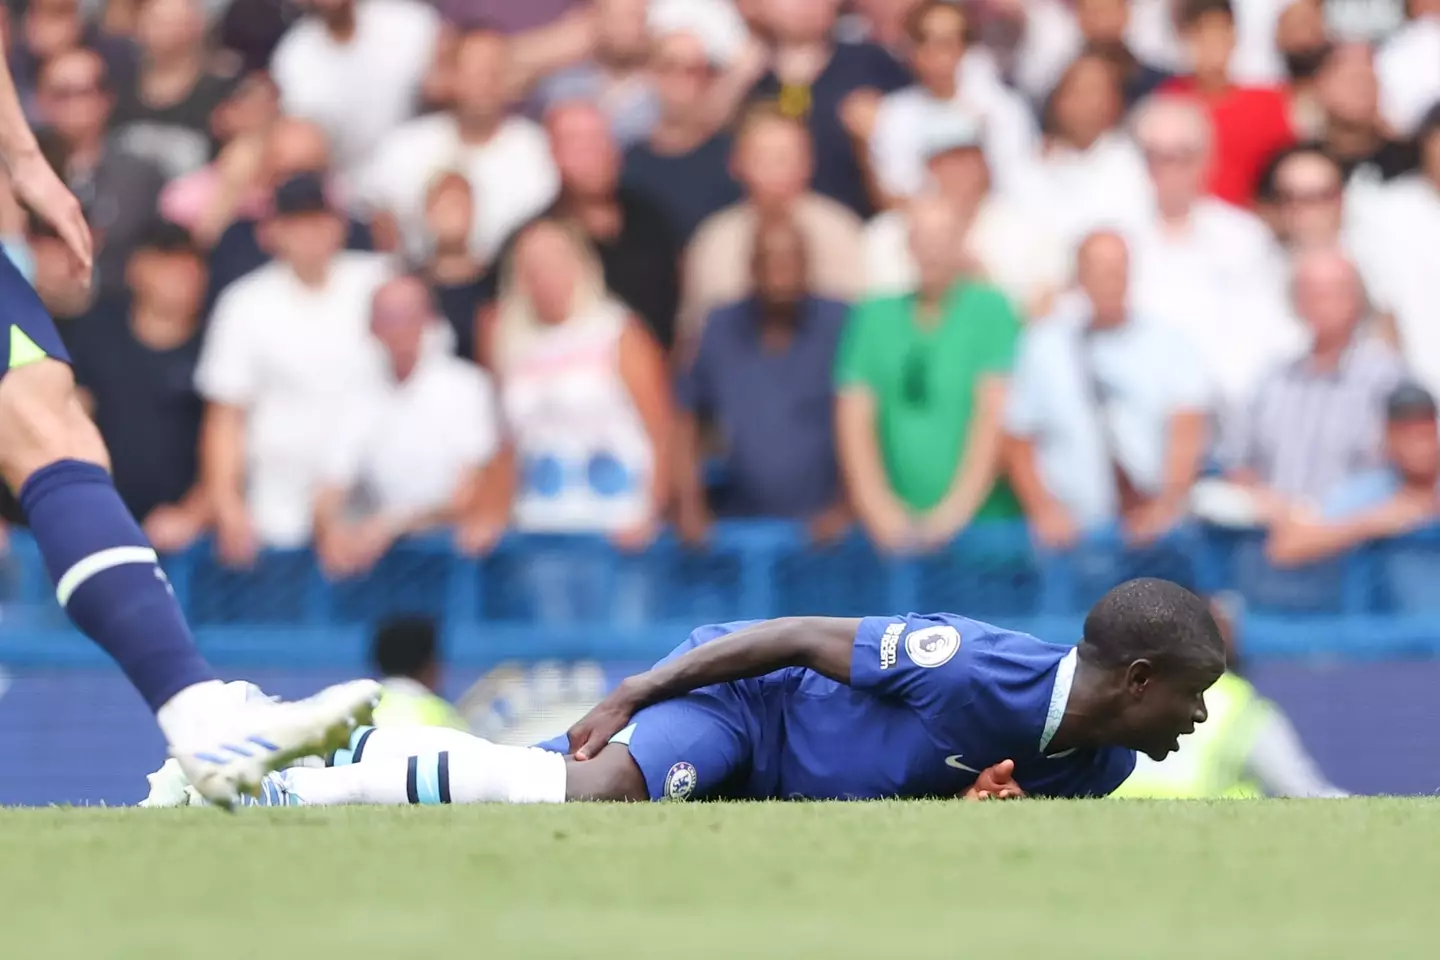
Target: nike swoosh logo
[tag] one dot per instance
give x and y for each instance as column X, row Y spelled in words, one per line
column 954, row 761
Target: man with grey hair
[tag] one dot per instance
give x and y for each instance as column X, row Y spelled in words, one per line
column 1201, row 265
column 1317, row 420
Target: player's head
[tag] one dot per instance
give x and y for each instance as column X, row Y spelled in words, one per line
column 1157, row 649
column 407, row 647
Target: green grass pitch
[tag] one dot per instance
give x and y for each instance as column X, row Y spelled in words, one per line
column 1102, row 879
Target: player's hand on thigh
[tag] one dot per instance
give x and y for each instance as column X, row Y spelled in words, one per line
column 593, row 731
column 995, row 783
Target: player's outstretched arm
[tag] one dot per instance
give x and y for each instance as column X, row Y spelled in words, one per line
column 35, row 183
column 822, row 644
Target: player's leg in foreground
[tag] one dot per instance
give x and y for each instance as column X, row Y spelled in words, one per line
column 108, row 579
column 674, row 750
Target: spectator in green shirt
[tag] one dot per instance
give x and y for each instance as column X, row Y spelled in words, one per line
column 921, row 390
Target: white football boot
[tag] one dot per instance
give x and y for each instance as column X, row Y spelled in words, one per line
column 232, row 755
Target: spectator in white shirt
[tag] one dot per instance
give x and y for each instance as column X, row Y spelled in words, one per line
column 412, row 453
column 506, row 159
column 1409, row 68
column 355, row 67
column 1405, row 255
column 286, row 354
column 1202, row 266
column 1089, row 173
column 897, row 139
column 1005, row 242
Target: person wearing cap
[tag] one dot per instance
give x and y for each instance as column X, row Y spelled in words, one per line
column 1004, row 242
column 134, row 355
column 286, row 354
column 1401, row 496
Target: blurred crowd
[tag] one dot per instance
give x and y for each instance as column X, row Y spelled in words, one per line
column 369, row 267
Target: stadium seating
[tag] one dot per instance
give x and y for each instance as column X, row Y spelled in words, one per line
column 542, row 597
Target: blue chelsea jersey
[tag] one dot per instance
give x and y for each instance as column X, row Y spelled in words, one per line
column 932, row 701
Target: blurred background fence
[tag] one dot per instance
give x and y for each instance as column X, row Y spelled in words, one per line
column 1350, row 649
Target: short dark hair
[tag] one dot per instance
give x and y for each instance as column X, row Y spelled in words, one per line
column 1193, row 11
column 1154, row 620
column 915, row 19
column 405, row 646
column 165, row 236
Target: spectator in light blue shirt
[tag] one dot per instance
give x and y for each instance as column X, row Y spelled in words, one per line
column 1392, row 500
column 1107, row 415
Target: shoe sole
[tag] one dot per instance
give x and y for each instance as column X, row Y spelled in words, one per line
column 246, row 777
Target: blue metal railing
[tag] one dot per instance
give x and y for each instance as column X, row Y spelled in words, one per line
column 544, row 596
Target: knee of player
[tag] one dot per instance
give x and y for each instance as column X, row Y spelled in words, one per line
column 612, row 775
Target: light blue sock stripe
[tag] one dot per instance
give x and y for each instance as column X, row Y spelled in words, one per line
column 427, row 780
column 356, row 735
column 343, row 758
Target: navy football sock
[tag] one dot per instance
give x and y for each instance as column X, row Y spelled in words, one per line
column 108, row 580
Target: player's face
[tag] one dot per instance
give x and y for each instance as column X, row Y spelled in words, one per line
column 1165, row 706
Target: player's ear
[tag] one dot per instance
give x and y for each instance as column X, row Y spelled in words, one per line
column 1138, row 677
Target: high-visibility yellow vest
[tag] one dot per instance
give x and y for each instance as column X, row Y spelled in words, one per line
column 1210, row 763
column 401, row 706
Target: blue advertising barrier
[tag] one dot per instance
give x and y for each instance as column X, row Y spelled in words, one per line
column 1346, row 647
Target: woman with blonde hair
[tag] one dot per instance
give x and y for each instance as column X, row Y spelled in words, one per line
column 586, row 395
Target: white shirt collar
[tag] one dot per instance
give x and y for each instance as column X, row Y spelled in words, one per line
column 1059, row 699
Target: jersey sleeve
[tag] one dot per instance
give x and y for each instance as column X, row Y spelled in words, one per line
column 915, row 659
column 1083, row 773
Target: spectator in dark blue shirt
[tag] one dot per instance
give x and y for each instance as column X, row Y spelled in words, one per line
column 460, row 282
column 813, row 77
column 684, row 164
column 134, row 356
column 762, row 380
